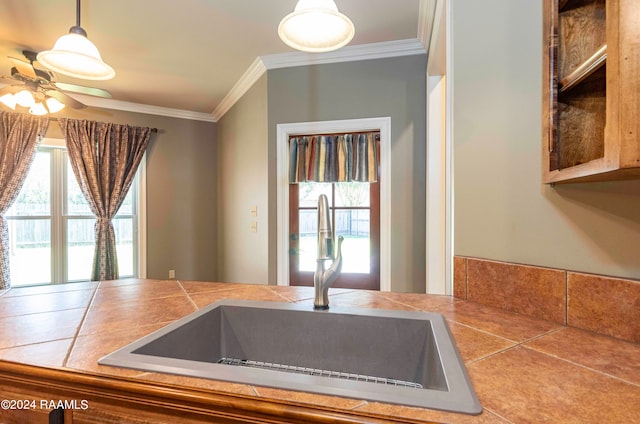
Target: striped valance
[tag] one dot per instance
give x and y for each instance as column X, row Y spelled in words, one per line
column 334, row 158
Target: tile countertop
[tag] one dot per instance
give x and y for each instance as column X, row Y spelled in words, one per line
column 524, row 370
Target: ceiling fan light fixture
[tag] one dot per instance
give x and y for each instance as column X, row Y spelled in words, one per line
column 24, row 98
column 38, row 109
column 316, row 26
column 54, row 105
column 9, row 100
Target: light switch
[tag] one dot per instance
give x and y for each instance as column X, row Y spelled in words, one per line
column 254, row 227
column 254, row 210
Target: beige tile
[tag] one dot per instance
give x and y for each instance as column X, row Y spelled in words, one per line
column 50, row 288
column 602, row 353
column 39, row 328
column 473, row 344
column 423, row 302
column 47, row 354
column 203, row 286
column 605, row 305
column 295, row 293
column 88, row 349
column 298, row 293
column 109, row 295
column 527, row 290
column 460, row 278
column 124, row 282
column 106, row 317
column 526, row 386
column 240, row 292
column 361, row 299
column 508, row 325
column 47, row 302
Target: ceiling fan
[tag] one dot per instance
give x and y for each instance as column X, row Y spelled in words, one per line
column 32, row 87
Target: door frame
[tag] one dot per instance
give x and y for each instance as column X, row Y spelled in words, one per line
column 284, row 131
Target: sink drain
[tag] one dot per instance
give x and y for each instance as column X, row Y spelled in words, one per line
column 318, row 372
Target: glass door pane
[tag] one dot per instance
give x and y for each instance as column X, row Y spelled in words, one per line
column 352, row 194
column 354, row 226
column 30, row 250
column 80, row 246
column 307, row 242
column 29, row 220
column 35, row 196
column 123, row 228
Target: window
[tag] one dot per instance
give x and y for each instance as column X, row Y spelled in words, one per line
column 51, row 226
column 355, row 215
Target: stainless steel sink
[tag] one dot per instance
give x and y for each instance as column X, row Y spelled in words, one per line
column 398, row 357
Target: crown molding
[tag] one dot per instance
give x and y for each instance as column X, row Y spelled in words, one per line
column 246, row 81
column 381, row 50
column 142, row 108
column 137, row 107
column 103, row 103
column 426, row 16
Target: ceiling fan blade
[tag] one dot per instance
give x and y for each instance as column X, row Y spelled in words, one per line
column 63, row 98
column 81, row 89
column 25, row 68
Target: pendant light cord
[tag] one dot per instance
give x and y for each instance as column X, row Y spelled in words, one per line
column 77, row 13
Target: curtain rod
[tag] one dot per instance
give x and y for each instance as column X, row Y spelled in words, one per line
column 53, row 118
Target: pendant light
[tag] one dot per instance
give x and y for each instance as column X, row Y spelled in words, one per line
column 316, row 26
column 76, row 56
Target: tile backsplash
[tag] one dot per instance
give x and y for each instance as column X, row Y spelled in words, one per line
column 605, row 305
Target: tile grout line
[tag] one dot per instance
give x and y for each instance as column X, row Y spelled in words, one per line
column 566, row 298
column 517, row 344
column 499, row 416
column 285, row 298
column 466, row 278
column 602, row 373
column 77, row 333
column 187, row 294
column 483, row 331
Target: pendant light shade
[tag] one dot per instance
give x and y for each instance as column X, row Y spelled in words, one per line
column 38, row 109
column 74, row 55
column 316, row 26
column 24, row 98
column 9, row 100
column 54, row 105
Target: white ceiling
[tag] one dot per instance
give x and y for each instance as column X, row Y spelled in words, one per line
column 185, row 54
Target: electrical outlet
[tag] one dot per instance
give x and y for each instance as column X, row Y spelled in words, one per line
column 172, row 274
column 254, row 227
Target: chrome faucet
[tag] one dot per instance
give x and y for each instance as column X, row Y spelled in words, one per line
column 324, row 277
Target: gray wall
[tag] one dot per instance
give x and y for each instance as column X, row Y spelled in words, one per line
column 392, row 87
column 502, row 210
column 242, row 180
column 180, row 198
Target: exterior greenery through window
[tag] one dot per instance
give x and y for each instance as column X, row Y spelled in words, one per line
column 51, row 226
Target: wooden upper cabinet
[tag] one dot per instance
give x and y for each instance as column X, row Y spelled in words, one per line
column 591, row 90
